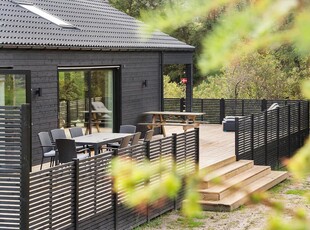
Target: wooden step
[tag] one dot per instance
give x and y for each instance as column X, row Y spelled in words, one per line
column 226, row 172
column 218, row 192
column 216, row 163
column 240, row 197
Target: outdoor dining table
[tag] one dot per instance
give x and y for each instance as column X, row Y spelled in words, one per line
column 185, row 119
column 98, row 139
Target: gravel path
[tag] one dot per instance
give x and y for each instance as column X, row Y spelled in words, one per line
column 252, row 217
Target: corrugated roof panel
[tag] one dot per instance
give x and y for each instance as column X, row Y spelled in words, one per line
column 99, row 26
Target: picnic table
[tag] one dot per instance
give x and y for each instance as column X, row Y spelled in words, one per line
column 161, row 119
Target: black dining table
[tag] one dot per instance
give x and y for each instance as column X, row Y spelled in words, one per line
column 99, row 139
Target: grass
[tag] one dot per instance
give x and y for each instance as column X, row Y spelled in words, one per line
column 279, row 187
column 178, row 223
column 152, row 224
column 297, row 192
column 189, row 223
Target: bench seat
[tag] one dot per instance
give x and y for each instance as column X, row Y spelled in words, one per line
column 159, row 124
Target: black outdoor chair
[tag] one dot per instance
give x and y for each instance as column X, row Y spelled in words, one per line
column 48, row 149
column 67, row 151
column 60, row 134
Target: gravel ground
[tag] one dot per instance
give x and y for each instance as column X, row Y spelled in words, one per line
column 252, row 217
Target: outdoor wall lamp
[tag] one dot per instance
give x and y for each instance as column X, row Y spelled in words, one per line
column 144, row 83
column 38, row 92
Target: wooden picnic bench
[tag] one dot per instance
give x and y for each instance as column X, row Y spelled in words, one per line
column 187, row 120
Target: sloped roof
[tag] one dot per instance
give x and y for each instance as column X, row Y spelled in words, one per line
column 100, row 26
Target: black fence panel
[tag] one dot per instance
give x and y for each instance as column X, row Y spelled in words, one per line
column 128, row 218
column 95, row 193
column 216, row 109
column 10, row 167
column 52, row 198
column 80, row 194
column 172, row 104
column 269, row 137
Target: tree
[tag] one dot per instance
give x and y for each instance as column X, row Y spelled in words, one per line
column 245, row 27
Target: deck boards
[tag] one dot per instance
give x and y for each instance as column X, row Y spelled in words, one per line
column 215, row 144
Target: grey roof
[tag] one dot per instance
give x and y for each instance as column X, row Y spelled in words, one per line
column 100, row 26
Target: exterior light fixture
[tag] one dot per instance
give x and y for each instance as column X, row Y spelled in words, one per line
column 144, row 83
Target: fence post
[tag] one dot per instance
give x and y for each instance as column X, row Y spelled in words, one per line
column 25, row 165
column 252, row 136
column 182, row 104
column 115, row 197
column 266, row 137
column 147, row 155
column 202, row 108
column 76, row 191
column 237, row 138
column 278, row 137
column 242, row 107
column 197, row 149
column 264, row 105
column 222, row 110
column 289, row 129
column 174, row 155
column 299, row 124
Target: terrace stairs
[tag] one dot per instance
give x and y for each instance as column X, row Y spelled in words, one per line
column 238, row 179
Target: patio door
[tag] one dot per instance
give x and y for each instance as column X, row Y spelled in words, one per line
column 87, row 98
column 14, row 87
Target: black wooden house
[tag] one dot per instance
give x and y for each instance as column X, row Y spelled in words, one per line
column 60, row 56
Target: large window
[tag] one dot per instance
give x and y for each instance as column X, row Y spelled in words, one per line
column 12, row 88
column 86, row 99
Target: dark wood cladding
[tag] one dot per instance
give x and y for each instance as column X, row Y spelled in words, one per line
column 136, row 67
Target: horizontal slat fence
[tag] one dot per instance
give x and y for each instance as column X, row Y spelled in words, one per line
column 216, row 109
column 270, row 136
column 80, row 195
column 14, row 131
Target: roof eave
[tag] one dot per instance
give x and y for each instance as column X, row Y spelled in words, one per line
column 81, row 48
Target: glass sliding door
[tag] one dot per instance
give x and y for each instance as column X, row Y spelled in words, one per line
column 86, row 99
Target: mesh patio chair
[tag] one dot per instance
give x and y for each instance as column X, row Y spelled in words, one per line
column 67, row 151
column 48, row 149
column 135, row 139
column 123, row 129
column 76, row 132
column 127, row 129
column 58, row 134
column 148, row 136
column 123, row 143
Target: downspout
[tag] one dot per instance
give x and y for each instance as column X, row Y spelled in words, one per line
column 161, row 88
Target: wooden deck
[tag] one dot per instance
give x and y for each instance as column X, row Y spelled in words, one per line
column 215, row 145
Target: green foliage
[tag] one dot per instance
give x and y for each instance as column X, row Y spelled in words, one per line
column 133, row 7
column 71, row 86
column 172, row 89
